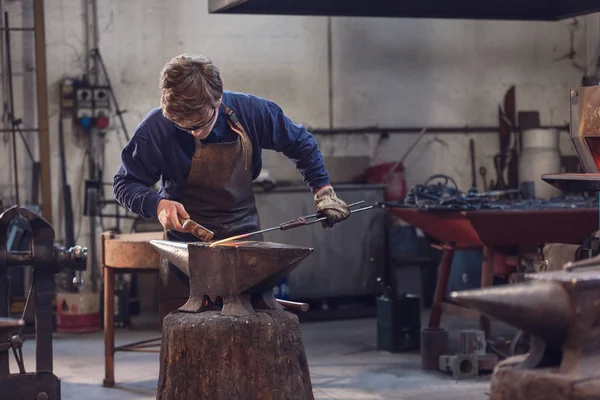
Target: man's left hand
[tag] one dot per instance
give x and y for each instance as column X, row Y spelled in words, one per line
column 328, row 204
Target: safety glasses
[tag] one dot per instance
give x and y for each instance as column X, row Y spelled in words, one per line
column 198, row 127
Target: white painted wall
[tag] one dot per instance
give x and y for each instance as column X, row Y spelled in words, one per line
column 387, row 72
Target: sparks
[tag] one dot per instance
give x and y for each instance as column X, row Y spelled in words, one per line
column 230, row 239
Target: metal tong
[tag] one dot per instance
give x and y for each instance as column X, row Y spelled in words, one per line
column 295, row 223
column 305, row 220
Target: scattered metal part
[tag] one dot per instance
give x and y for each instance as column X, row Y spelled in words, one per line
column 434, row 343
column 461, row 366
column 471, row 357
column 235, row 271
column 472, row 341
column 440, row 192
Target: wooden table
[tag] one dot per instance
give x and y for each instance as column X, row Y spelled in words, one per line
column 124, row 253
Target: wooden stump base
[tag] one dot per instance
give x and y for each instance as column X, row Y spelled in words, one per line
column 510, row 383
column 214, row 357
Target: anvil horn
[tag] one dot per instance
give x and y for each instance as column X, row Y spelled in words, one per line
column 175, row 252
column 539, row 308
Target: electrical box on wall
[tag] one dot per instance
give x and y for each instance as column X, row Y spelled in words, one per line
column 83, row 103
column 87, row 105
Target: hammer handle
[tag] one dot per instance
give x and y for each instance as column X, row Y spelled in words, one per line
column 196, row 229
column 293, row 304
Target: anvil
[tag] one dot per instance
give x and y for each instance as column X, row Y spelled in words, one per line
column 560, row 310
column 241, row 273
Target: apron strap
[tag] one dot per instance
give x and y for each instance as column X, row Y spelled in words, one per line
column 237, row 127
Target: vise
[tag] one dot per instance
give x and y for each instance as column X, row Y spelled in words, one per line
column 560, row 312
column 46, row 260
column 239, row 273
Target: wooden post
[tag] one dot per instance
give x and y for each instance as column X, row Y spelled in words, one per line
column 42, row 108
column 109, row 316
column 209, row 356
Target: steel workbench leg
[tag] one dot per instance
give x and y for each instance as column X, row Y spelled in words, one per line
column 487, row 280
column 441, row 287
column 109, row 326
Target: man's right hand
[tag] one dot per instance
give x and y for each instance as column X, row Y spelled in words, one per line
column 168, row 212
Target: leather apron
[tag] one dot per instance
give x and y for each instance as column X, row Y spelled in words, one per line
column 219, row 196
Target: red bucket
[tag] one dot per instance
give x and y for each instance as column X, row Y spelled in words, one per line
column 394, row 182
column 78, row 312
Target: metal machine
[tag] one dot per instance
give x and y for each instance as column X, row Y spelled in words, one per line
column 46, row 261
column 585, row 134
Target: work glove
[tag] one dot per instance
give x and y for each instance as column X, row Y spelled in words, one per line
column 328, row 204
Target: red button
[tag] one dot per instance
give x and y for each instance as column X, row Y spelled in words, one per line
column 102, row 121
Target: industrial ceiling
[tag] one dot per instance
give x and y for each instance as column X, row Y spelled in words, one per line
column 530, row 10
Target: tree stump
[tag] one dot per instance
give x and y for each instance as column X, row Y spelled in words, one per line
column 209, row 356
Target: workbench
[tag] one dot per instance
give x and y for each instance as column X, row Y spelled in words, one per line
column 124, row 253
column 497, row 233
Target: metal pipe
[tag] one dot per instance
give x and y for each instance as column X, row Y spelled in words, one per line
column 99, row 61
column 86, row 19
column 11, row 106
column 330, row 70
column 22, row 130
column 440, row 129
column 42, row 108
column 2, row 61
column 96, row 38
column 32, row 29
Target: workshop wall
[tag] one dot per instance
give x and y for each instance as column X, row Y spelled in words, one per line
column 386, row 72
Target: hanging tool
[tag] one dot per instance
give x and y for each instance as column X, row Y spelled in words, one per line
column 510, row 116
column 507, row 123
column 295, row 223
column 483, row 173
column 473, row 166
column 406, row 154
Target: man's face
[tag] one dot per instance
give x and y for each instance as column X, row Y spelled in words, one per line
column 200, row 126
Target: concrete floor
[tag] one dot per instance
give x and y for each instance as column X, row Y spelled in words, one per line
column 343, row 360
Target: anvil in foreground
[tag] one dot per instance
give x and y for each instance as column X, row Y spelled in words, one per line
column 241, row 273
